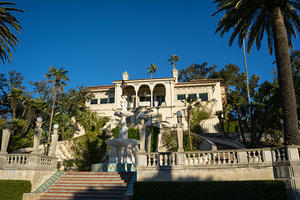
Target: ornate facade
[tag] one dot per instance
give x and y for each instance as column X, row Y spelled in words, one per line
column 161, row 97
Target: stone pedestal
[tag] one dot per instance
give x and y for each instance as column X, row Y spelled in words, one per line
column 37, row 137
column 54, row 140
column 180, row 137
column 142, row 130
column 148, row 137
column 5, row 140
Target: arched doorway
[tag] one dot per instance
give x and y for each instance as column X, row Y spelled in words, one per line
column 159, row 95
column 130, row 93
column 144, row 95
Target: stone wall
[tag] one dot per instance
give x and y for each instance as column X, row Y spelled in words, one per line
column 281, row 163
column 36, row 178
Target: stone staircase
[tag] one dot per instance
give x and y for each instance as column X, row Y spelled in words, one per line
column 89, row 185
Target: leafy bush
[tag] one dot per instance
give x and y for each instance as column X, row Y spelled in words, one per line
column 169, row 140
column 223, row 190
column 196, row 141
column 87, row 149
column 133, row 133
column 13, row 189
column 154, row 134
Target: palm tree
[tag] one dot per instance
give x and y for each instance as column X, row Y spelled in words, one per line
column 7, row 39
column 173, row 60
column 189, row 104
column 276, row 18
column 247, row 81
column 152, row 69
column 58, row 78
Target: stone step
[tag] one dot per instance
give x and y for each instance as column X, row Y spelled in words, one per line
column 84, row 194
column 95, row 173
column 49, row 197
column 90, row 178
column 91, row 175
column 89, row 184
column 95, row 177
column 100, row 191
column 80, row 187
column 91, row 181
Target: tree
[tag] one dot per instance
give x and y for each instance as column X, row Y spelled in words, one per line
column 152, row 69
column 196, row 71
column 189, row 103
column 173, row 60
column 58, row 78
column 7, row 39
column 277, row 18
column 295, row 63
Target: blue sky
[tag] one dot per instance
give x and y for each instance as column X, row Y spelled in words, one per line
column 97, row 40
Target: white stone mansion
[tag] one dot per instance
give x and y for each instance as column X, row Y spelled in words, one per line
column 162, row 97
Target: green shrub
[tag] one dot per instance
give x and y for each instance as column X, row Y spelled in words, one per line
column 133, row 133
column 87, row 149
column 223, row 190
column 169, row 140
column 154, row 134
column 13, row 189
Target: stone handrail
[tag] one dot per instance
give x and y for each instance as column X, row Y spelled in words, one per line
column 163, row 159
column 28, row 161
column 222, row 157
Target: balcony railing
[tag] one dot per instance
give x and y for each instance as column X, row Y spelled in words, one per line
column 28, row 161
column 221, row 157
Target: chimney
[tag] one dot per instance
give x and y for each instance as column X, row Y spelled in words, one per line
column 175, row 74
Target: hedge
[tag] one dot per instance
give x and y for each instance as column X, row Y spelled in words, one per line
column 13, row 189
column 223, row 190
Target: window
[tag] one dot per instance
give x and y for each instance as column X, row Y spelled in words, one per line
column 145, row 98
column 94, row 101
column 192, row 96
column 160, row 99
column 103, row 101
column 180, row 96
column 111, row 100
column 203, row 96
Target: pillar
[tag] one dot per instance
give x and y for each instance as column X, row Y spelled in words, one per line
column 5, row 140
column 148, row 133
column 37, row 135
column 54, row 140
column 142, row 130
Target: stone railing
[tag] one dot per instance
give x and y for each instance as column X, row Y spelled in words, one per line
column 220, row 157
column 165, row 159
column 28, row 161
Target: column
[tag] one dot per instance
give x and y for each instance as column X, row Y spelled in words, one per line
column 179, row 131
column 54, row 140
column 136, row 88
column 142, row 130
column 151, row 103
column 37, row 135
column 5, row 140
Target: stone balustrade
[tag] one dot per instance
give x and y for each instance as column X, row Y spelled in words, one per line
column 164, row 159
column 220, row 157
column 28, row 162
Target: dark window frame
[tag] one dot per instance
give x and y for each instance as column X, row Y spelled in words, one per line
column 183, row 95
column 94, row 101
column 111, row 100
column 103, row 100
column 194, row 94
column 205, row 98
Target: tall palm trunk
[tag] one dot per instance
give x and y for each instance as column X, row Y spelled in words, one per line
column 189, row 111
column 288, row 98
column 51, row 115
column 247, row 83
